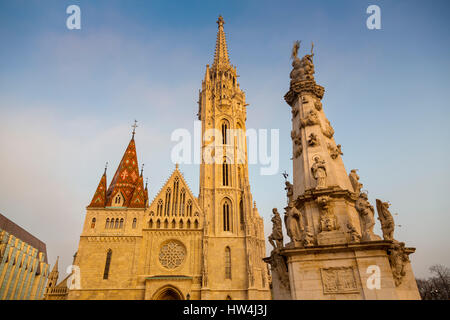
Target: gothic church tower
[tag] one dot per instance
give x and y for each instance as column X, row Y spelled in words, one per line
column 233, row 231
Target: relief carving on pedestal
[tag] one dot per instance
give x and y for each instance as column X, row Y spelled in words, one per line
column 338, row 280
column 328, row 221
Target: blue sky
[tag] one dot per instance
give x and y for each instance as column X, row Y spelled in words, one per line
column 68, row 98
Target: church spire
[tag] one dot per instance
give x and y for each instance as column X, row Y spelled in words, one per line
column 53, row 277
column 126, row 177
column 221, row 53
column 99, row 198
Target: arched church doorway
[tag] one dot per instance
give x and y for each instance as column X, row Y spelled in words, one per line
column 168, row 293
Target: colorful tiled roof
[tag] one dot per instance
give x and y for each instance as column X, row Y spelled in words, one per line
column 126, row 177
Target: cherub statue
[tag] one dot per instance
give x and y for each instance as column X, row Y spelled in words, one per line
column 313, row 140
column 386, row 219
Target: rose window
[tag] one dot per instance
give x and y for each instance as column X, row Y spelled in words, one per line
column 172, row 254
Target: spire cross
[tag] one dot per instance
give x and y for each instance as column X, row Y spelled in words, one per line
column 106, row 166
column 146, row 182
column 134, row 126
column 142, row 169
column 220, row 21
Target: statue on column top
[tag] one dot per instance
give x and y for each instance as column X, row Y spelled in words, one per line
column 304, row 68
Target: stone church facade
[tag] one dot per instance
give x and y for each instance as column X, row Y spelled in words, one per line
column 181, row 246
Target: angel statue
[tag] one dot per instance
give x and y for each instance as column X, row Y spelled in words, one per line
column 386, row 219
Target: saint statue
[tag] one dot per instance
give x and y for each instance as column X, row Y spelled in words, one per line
column 386, row 219
column 366, row 213
column 277, row 231
column 354, row 179
column 289, row 190
column 293, row 222
column 319, row 172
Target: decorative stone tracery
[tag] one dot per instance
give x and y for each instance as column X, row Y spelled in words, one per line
column 172, row 254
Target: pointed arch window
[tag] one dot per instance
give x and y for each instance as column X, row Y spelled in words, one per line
column 175, row 196
column 166, row 224
column 196, row 224
column 189, row 208
column 241, row 212
column 116, row 225
column 159, row 208
column 93, row 223
column 118, row 200
column 107, row 264
column 182, row 201
column 121, row 224
column 225, row 173
column 225, row 128
column 226, row 215
column 134, row 223
column 227, row 263
column 173, row 224
column 158, row 224
column 107, row 223
column 167, row 202
column 150, row 223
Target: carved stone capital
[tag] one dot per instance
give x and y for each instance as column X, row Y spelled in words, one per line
column 303, row 86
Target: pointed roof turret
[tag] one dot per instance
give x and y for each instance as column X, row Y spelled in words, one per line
column 126, row 177
column 221, row 53
column 55, row 267
column 53, row 277
column 99, row 198
column 146, row 192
